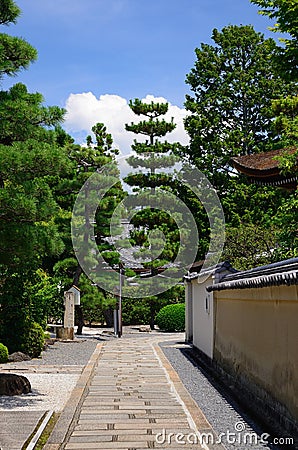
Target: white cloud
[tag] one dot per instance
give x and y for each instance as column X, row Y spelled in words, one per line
column 85, row 110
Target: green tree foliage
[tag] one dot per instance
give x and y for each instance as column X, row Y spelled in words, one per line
column 286, row 127
column 233, row 84
column 24, row 117
column 95, row 304
column 151, row 158
column 155, row 232
column 31, row 161
column 140, row 311
column 86, row 161
column 135, row 311
column 286, row 120
column 285, row 12
column 28, row 230
column 43, row 294
column 15, row 53
column 9, row 12
column 250, row 245
column 286, row 220
column 27, row 206
column 3, row 354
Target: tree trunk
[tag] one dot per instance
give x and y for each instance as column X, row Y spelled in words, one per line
column 152, row 317
column 80, row 319
column 109, row 316
column 76, row 278
column 78, row 308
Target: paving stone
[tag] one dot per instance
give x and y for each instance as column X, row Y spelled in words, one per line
column 86, row 439
column 130, row 402
column 104, row 445
column 105, row 415
column 141, row 432
column 15, row 428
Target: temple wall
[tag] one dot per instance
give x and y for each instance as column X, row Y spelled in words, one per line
column 203, row 317
column 256, row 343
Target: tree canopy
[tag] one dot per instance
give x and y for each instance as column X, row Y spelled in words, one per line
column 152, row 156
column 285, row 12
column 15, row 53
column 236, row 92
column 233, row 84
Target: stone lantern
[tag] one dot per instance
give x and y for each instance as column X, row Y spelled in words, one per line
column 72, row 297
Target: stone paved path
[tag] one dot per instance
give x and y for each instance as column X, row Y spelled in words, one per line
column 134, row 395
column 15, row 428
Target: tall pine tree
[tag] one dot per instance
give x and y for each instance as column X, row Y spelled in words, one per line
column 30, row 159
column 153, row 158
column 93, row 211
column 156, row 222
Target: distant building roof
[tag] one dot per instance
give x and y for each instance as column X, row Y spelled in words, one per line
column 263, row 168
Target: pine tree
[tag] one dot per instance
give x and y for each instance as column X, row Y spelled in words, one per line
column 153, row 157
column 155, row 221
column 93, row 213
column 30, row 159
column 233, row 84
column 15, row 53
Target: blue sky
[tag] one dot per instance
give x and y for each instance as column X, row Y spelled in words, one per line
column 118, row 49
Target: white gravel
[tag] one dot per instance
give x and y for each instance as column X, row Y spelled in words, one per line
column 49, row 392
column 52, row 377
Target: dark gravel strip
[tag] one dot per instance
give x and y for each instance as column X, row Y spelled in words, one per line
column 71, row 353
column 220, row 409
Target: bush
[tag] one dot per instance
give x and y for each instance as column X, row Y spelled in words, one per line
column 3, row 353
column 33, row 340
column 171, row 317
column 135, row 311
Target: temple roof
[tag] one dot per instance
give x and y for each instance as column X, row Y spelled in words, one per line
column 263, row 168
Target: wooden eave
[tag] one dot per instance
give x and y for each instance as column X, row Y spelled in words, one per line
column 263, row 168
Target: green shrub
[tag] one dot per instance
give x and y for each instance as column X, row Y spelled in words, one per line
column 135, row 312
column 171, row 317
column 3, row 353
column 47, row 335
column 33, row 340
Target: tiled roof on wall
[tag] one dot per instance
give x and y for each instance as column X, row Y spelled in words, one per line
column 277, row 274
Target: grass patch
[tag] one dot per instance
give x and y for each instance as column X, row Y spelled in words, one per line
column 45, row 434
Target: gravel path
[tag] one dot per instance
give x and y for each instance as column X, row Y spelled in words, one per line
column 220, row 410
column 70, row 353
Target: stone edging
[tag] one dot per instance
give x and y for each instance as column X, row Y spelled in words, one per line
column 67, row 418
column 201, row 423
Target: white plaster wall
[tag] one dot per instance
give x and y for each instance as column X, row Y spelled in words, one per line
column 188, row 312
column 203, row 317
